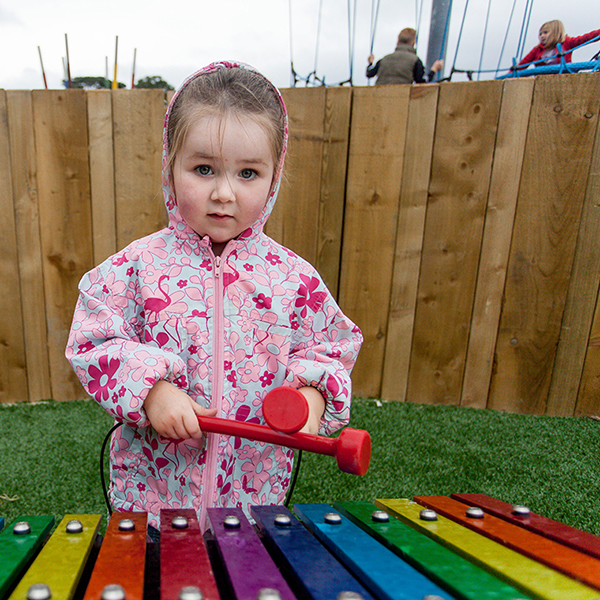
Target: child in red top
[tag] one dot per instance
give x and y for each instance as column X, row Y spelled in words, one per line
column 550, row 34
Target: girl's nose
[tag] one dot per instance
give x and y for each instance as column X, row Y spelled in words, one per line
column 223, row 190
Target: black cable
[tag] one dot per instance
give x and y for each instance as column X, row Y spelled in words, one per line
column 104, row 490
column 290, row 491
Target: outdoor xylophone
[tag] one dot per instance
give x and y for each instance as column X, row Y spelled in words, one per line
column 467, row 546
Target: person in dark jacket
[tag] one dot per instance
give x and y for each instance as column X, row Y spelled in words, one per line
column 403, row 65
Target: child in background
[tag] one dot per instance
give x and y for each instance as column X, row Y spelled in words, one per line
column 550, row 34
column 206, row 316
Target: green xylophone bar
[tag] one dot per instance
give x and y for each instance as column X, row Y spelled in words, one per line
column 448, row 569
column 57, row 569
column 534, row 578
column 18, row 544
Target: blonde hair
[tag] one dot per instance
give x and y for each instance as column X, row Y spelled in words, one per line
column 227, row 90
column 407, row 36
column 556, row 31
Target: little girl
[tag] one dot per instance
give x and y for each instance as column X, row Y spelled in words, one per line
column 208, row 315
column 550, row 34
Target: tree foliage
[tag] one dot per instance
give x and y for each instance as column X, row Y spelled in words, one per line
column 91, row 83
column 154, row 82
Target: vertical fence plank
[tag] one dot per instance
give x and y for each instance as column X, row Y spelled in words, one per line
column 588, row 400
column 138, row 127
column 295, row 219
column 462, row 158
column 553, row 183
column 60, row 119
column 581, row 298
column 25, row 194
column 13, row 377
column 102, row 174
column 409, row 239
column 500, row 214
column 376, row 157
column 333, row 185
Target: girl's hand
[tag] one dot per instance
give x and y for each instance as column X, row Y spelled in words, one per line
column 172, row 412
column 316, row 408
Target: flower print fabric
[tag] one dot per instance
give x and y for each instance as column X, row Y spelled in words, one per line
column 226, row 329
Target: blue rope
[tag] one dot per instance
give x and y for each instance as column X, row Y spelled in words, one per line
column 352, row 39
column 374, row 23
column 506, row 34
column 487, row 19
column 539, row 68
column 318, row 36
column 521, row 42
column 459, row 33
column 527, row 26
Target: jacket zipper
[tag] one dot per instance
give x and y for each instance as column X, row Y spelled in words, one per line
column 208, row 488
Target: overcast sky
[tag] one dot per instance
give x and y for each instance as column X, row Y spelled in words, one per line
column 173, row 39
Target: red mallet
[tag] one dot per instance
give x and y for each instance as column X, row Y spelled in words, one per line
column 352, row 448
column 285, row 409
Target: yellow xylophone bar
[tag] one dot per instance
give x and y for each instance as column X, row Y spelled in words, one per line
column 553, row 554
column 534, row 578
column 57, row 568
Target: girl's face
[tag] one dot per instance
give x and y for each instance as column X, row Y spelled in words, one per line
column 222, row 176
column 544, row 36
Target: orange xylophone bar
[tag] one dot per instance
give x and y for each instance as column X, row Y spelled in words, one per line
column 579, row 566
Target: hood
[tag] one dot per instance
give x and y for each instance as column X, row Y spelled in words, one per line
column 181, row 228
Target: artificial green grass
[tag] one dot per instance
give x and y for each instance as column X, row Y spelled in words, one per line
column 49, row 459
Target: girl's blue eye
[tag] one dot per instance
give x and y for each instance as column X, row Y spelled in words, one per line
column 204, row 170
column 248, row 174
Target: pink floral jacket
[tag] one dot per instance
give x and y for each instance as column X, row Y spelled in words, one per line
column 226, row 329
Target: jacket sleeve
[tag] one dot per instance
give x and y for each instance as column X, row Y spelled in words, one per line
column 573, row 42
column 419, row 72
column 372, row 70
column 113, row 364
column 327, row 352
column 532, row 55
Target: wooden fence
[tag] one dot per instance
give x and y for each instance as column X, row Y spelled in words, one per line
column 458, row 225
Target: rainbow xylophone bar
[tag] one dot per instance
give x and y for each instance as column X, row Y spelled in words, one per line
column 464, row 547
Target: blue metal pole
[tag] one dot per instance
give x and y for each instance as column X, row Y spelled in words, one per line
column 438, row 33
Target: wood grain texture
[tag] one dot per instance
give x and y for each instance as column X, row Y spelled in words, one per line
column 497, row 237
column 376, row 158
column 295, row 218
column 28, row 243
column 13, row 377
column 338, row 106
column 576, row 350
column 553, row 184
column 409, row 240
column 138, row 118
column 461, row 166
column 102, row 174
column 60, row 121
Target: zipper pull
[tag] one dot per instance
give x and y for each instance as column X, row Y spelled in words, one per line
column 217, row 266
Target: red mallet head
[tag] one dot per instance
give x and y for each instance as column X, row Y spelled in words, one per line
column 285, row 409
column 353, row 451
